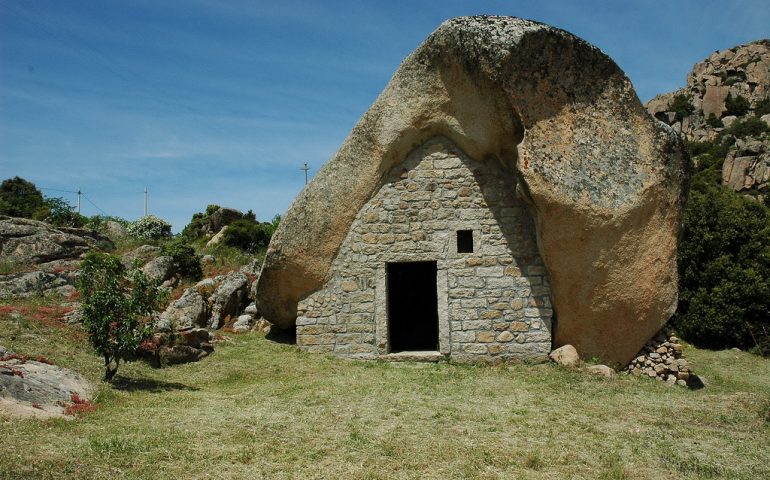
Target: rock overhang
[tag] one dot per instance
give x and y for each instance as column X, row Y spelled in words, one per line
column 604, row 181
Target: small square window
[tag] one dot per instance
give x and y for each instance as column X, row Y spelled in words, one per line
column 465, row 241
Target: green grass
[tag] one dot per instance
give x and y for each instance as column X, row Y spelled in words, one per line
column 258, row 409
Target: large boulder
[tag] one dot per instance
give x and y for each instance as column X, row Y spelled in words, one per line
column 161, row 268
column 30, row 242
column 221, row 218
column 190, row 310
column 228, row 299
column 603, row 179
column 37, row 388
column 26, row 284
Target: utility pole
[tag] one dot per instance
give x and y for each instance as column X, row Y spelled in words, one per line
column 305, row 168
column 78, row 199
column 145, row 201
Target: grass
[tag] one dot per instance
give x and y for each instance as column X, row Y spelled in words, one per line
column 259, row 409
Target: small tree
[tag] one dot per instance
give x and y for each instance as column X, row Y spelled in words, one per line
column 736, row 105
column 117, row 306
column 19, row 198
column 682, row 105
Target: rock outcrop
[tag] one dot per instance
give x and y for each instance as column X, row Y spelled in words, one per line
column 37, row 388
column 603, row 180
column 29, row 242
column 44, row 258
column 743, row 74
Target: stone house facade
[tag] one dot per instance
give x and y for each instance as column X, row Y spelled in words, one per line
column 441, row 262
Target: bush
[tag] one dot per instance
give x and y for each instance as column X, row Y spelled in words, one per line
column 149, row 227
column 724, row 262
column 194, row 229
column 248, row 236
column 738, row 105
column 681, row 105
column 187, row 263
column 118, row 306
column 714, row 121
column 762, row 107
column 58, row 212
column 747, row 127
column 20, row 198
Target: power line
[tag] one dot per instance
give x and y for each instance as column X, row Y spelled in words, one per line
column 95, row 205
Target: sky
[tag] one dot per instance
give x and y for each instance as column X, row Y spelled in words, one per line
column 223, row 101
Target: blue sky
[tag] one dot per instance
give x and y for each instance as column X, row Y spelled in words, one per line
column 217, row 101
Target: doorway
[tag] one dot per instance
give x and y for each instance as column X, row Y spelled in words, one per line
column 412, row 306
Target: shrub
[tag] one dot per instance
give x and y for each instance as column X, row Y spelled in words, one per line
column 19, row 198
column 747, row 127
column 762, row 107
column 714, row 121
column 724, row 262
column 248, row 236
column 149, row 227
column 117, row 307
column 187, row 263
column 58, row 212
column 194, row 229
column 682, row 105
column 736, row 105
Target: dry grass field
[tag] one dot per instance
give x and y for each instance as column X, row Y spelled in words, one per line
column 259, row 409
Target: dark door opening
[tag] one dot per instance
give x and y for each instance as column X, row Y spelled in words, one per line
column 412, row 306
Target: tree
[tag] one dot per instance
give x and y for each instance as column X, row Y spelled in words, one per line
column 682, row 105
column 736, row 105
column 724, row 262
column 118, row 307
column 19, row 198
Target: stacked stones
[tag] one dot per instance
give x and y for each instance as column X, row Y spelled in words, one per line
column 494, row 303
column 661, row 358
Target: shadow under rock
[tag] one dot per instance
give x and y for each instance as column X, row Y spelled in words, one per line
column 282, row 335
column 147, row 385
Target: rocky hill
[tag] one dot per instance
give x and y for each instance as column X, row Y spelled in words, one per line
column 727, row 102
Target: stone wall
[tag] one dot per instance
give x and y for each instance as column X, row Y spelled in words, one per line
column 493, row 304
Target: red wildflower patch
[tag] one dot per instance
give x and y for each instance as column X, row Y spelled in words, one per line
column 50, row 316
column 14, row 371
column 13, row 356
column 42, row 359
column 79, row 406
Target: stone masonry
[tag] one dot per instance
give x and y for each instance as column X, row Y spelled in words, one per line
column 493, row 303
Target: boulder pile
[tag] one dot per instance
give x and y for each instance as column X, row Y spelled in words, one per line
column 661, row 358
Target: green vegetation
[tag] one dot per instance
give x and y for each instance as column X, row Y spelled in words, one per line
column 299, row 415
column 682, row 105
column 150, row 227
column 194, row 229
column 187, row 263
column 762, row 107
column 724, row 260
column 117, row 308
column 249, row 235
column 714, row 121
column 20, row 198
column 737, row 105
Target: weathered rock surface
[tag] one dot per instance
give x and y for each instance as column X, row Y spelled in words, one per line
column 602, row 370
column 142, row 254
column 190, row 310
column 603, row 179
column 228, row 299
column 20, row 285
column 566, row 356
column 30, row 242
column 743, row 70
column 33, row 388
column 218, row 237
column 160, row 268
column 220, row 218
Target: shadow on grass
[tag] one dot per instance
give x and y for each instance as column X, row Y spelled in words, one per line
column 147, row 385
